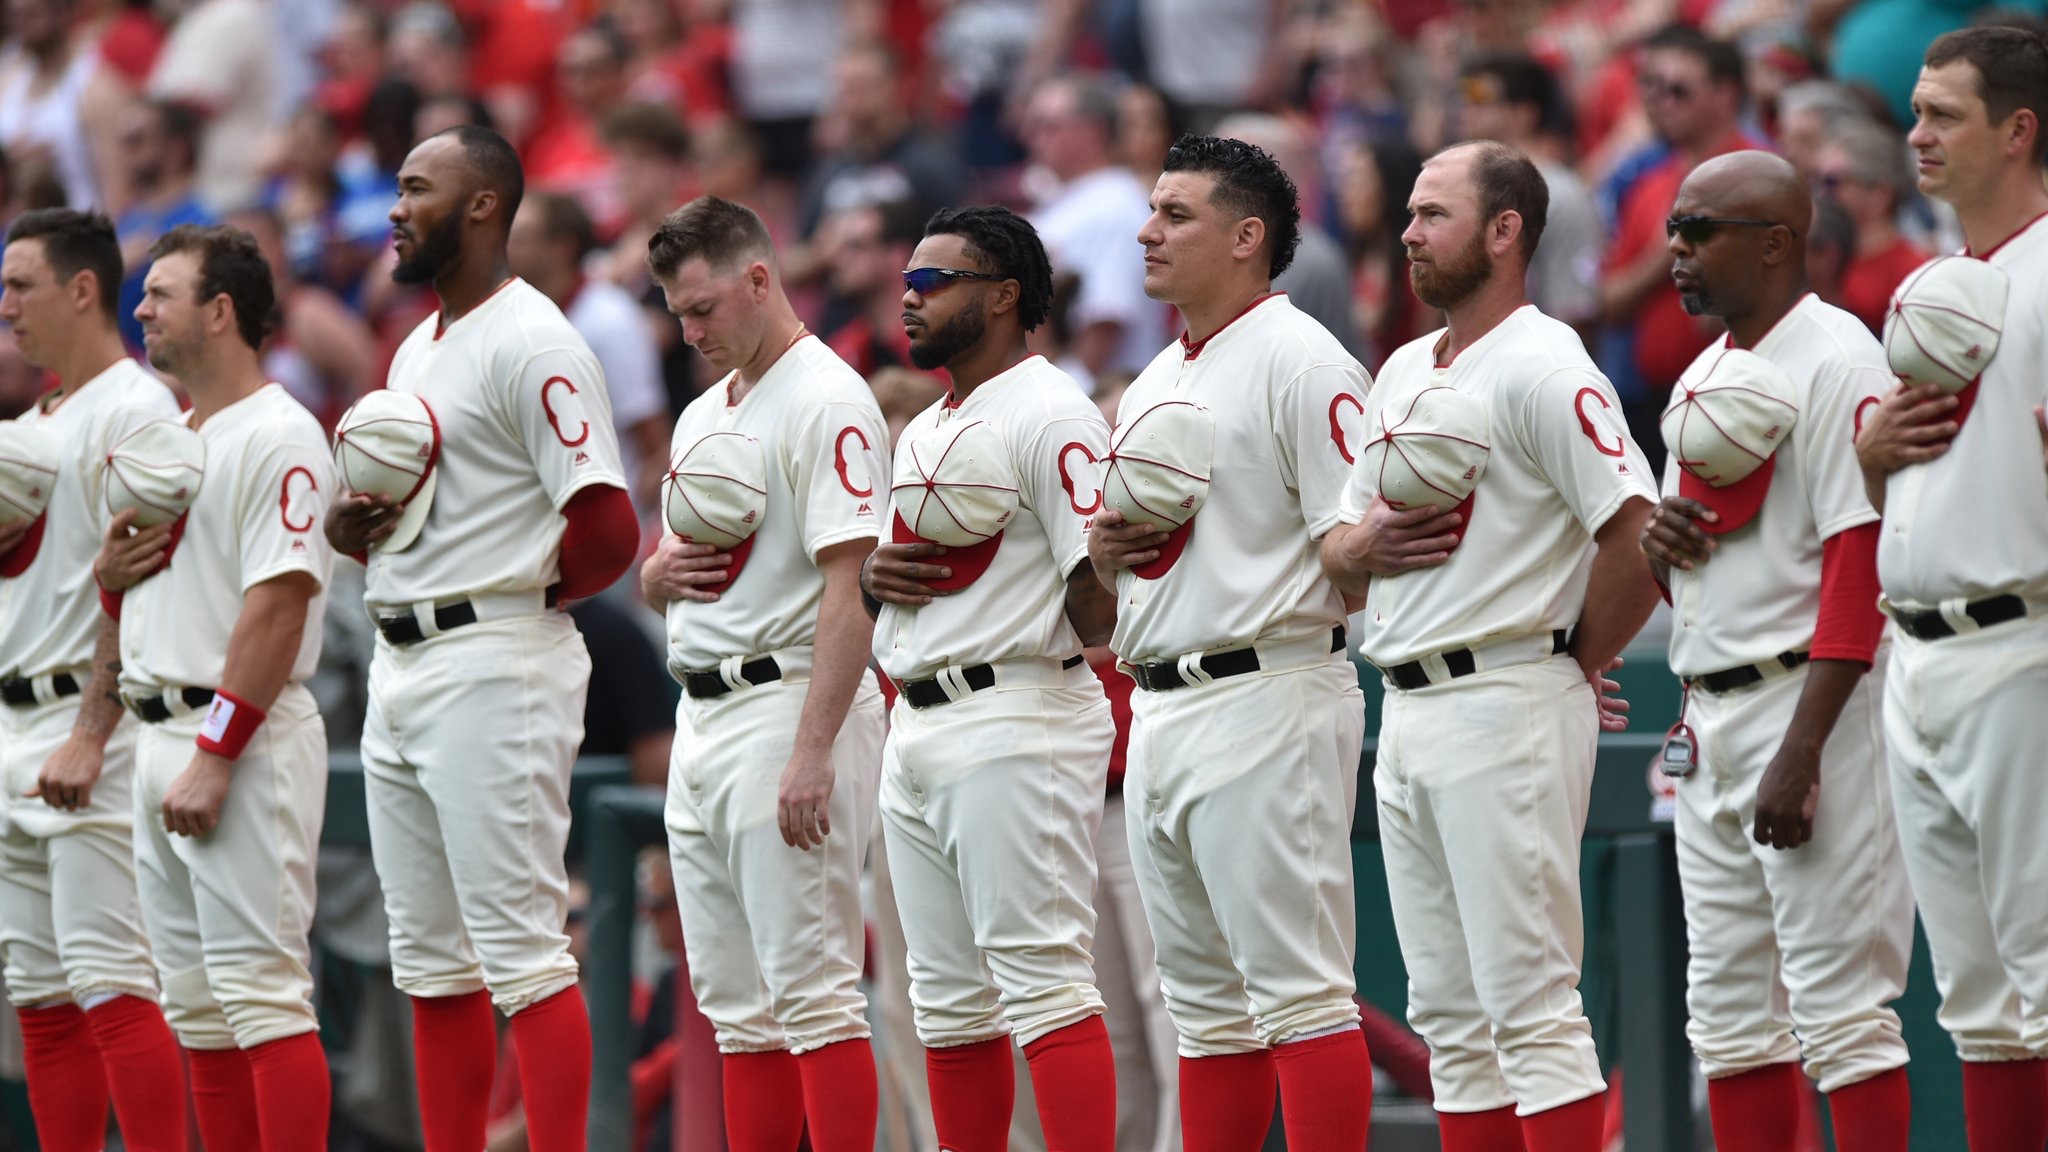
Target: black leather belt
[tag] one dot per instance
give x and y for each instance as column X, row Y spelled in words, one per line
column 704, row 685
column 979, row 678
column 1165, row 675
column 406, row 629
column 1729, row 679
column 1458, row 663
column 153, row 710
column 1930, row 625
column 21, row 692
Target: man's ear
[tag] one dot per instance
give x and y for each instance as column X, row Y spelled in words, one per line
column 1250, row 234
column 1008, row 293
column 84, row 290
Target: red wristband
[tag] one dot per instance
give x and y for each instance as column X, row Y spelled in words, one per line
column 110, row 603
column 228, row 726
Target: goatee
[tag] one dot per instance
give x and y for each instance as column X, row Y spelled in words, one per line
column 942, row 344
column 432, row 254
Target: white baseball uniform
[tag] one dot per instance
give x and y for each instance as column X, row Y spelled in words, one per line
column 69, row 922
column 228, row 912
column 774, row 934
column 991, row 801
column 1240, row 790
column 1814, row 940
column 1484, row 781
column 472, row 731
column 1963, row 715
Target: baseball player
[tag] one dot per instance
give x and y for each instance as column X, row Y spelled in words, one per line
column 1799, row 914
column 998, row 756
column 477, row 684
column 1247, row 722
column 219, row 628
column 771, row 797
column 1963, row 561
column 77, row 961
column 1493, row 625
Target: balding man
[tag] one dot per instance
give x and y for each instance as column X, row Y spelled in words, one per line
column 1494, row 610
column 1798, row 910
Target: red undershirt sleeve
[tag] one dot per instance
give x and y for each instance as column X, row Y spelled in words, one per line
column 1850, row 623
column 600, row 542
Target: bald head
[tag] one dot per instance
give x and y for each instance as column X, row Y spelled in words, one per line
column 1748, row 186
column 1739, row 249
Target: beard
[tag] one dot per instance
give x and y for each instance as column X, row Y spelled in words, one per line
column 1697, row 302
column 1445, row 282
column 433, row 254
column 942, row 344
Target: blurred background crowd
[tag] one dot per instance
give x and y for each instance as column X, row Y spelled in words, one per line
column 845, row 123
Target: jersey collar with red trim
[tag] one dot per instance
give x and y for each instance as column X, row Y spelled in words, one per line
column 1190, row 349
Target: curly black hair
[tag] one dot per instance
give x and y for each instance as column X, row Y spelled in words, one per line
column 1005, row 244
column 1249, row 182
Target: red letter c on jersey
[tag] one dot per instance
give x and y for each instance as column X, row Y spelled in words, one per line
column 284, row 499
column 865, row 486
column 547, row 406
column 1067, row 480
column 1337, row 424
column 1592, row 430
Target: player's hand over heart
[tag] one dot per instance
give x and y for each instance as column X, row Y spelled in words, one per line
column 680, row 568
column 1913, row 425
column 360, row 519
column 193, row 802
column 128, row 554
column 1114, row 545
column 896, row 573
column 1387, row 542
column 1787, row 797
column 1674, row 538
column 1613, row 709
column 802, row 800
column 68, row 776
column 12, row 532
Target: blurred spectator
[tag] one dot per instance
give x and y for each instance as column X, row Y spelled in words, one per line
column 223, row 58
column 330, row 233
column 512, row 60
column 651, row 163
column 1880, row 42
column 878, row 155
column 126, row 34
column 441, row 113
column 1090, row 226
column 1373, row 182
column 1829, row 248
column 571, row 156
column 428, row 51
column 865, row 251
column 351, row 63
column 782, row 73
column 159, row 145
column 1145, row 131
column 902, row 394
column 552, row 238
column 1863, row 167
column 1809, row 113
column 728, row 161
column 1513, row 99
column 1319, row 280
column 987, row 59
column 630, row 711
column 322, row 352
column 1353, row 93
column 1212, row 57
column 685, row 67
column 45, row 78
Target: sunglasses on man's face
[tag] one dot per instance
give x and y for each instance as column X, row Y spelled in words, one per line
column 1700, row 229
column 925, row 281
column 1653, row 88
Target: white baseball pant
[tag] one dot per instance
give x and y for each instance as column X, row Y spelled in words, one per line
column 70, row 923
column 990, row 808
column 1793, row 953
column 1483, row 786
column 1966, row 720
column 1238, row 795
column 228, row 913
column 774, row 934
column 468, row 745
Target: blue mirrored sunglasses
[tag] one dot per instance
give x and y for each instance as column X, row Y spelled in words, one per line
column 925, row 281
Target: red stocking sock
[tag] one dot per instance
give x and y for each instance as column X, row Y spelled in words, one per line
column 1873, row 1115
column 1073, row 1075
column 840, row 1096
column 1497, row 1130
column 1326, row 1091
column 763, row 1094
column 552, row 1039
column 1574, row 1127
column 973, row 1090
column 2005, row 1105
column 143, row 1069
column 293, row 1093
column 1757, row 1110
column 455, row 1056
column 224, row 1099
column 67, row 1087
column 1226, row 1102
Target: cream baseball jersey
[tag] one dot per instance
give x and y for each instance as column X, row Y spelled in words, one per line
column 1018, row 607
column 50, row 613
column 525, row 424
column 1287, row 401
column 1562, row 463
column 1760, row 593
column 1974, row 521
column 827, row 450
column 260, row 514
